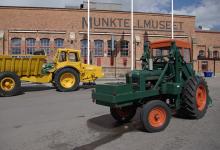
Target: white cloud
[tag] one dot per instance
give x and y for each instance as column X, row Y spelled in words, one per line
column 207, row 14
column 139, row 5
column 142, row 5
column 39, row 3
column 152, row 5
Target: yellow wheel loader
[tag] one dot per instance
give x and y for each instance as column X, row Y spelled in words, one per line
column 65, row 72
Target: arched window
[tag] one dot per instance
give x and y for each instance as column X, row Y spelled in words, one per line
column 45, row 45
column 30, row 45
column 99, row 46
column 16, row 46
column 110, row 50
column 124, row 48
column 84, row 46
column 216, row 54
column 59, row 43
column 201, row 53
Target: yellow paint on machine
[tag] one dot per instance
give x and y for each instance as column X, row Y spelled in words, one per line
column 22, row 65
column 29, row 67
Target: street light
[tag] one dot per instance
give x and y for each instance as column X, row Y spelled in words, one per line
column 88, row 39
column 172, row 19
column 132, row 35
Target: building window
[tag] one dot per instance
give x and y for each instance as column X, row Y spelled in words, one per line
column 59, row 43
column 110, row 52
column 216, row 54
column 16, row 46
column 84, row 46
column 124, row 48
column 201, row 54
column 99, row 46
column 45, row 45
column 30, row 45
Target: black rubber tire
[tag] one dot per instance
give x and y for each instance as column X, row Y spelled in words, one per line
column 17, row 88
column 53, row 84
column 88, row 85
column 147, row 108
column 189, row 107
column 58, row 75
column 123, row 114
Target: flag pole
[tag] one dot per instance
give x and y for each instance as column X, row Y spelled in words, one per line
column 132, row 35
column 88, row 38
column 172, row 19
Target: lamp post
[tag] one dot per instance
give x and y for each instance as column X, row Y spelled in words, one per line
column 135, row 53
column 132, row 35
column 172, row 19
column 88, row 38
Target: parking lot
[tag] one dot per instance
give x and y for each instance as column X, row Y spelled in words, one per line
column 44, row 119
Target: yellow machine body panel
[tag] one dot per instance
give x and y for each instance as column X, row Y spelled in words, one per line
column 71, row 59
column 65, row 72
column 22, row 65
column 29, row 67
column 91, row 73
column 38, row 79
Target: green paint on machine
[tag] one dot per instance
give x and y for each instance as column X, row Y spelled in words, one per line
column 166, row 83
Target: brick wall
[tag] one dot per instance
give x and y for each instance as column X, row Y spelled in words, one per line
column 208, row 42
column 63, row 23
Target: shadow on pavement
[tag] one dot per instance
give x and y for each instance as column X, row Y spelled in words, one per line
column 109, row 130
column 43, row 87
column 32, row 88
column 40, row 87
column 182, row 116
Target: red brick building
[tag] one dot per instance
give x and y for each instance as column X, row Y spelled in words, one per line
column 24, row 30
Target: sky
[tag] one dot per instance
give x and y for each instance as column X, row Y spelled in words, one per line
column 207, row 12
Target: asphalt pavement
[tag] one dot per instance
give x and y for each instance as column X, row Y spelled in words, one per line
column 44, row 119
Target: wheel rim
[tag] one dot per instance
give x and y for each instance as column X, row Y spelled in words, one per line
column 67, row 80
column 7, row 84
column 157, row 117
column 201, row 97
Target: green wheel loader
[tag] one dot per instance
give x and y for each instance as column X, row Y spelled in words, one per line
column 166, row 85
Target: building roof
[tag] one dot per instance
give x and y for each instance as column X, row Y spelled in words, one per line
column 209, row 31
column 168, row 43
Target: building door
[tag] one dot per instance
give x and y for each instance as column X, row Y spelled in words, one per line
column 204, row 66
